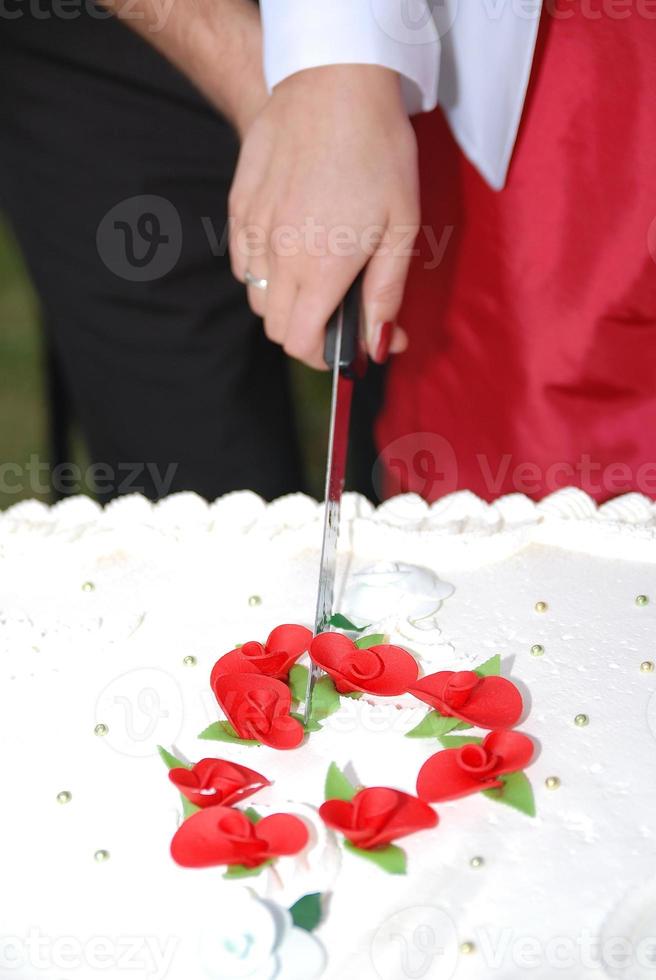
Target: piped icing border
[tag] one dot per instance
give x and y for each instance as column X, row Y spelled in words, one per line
column 464, row 527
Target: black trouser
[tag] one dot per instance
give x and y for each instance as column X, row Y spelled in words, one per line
column 158, row 352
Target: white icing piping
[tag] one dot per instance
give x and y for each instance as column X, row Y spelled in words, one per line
column 624, row 527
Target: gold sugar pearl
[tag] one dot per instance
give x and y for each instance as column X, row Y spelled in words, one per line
column 467, row 948
column 541, row 607
column 101, row 730
column 477, row 862
column 100, row 857
column 552, row 782
column 582, row 720
column 88, row 587
column 255, row 600
column 537, row 650
column 190, row 661
column 64, row 797
column 642, row 600
column 647, row 666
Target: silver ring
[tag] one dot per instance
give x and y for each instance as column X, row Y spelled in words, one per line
column 255, row 281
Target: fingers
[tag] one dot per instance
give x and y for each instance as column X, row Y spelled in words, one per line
column 303, row 292
column 281, row 298
column 320, row 292
column 247, row 239
column 258, row 269
column 384, row 285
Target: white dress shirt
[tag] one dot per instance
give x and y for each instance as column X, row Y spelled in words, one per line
column 474, row 57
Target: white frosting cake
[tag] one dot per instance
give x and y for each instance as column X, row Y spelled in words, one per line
column 111, row 622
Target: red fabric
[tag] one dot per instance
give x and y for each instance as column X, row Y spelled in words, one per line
column 532, row 361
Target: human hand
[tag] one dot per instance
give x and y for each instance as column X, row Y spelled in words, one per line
column 327, row 182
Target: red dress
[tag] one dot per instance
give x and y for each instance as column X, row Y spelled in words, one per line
column 532, row 362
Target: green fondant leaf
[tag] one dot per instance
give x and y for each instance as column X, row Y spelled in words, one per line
column 491, row 667
column 338, row 787
column 354, row 695
column 170, row 760
column 240, row 871
column 457, row 741
column 188, row 808
column 433, row 725
column 312, row 724
column 298, row 677
column 342, row 623
column 325, row 699
column 516, row 792
column 373, row 640
column 252, row 815
column 222, row 731
column 306, row 913
column 391, row 858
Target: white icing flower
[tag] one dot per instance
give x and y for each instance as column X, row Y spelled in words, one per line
column 394, row 590
column 255, row 939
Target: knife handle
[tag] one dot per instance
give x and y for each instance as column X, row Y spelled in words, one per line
column 353, row 357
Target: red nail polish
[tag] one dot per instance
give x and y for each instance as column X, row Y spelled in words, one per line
column 384, row 340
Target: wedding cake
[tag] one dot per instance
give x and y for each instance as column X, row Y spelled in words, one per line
column 473, row 796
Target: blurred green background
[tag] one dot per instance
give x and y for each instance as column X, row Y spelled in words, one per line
column 22, row 402
column 23, row 411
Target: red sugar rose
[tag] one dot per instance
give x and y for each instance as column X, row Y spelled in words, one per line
column 377, row 816
column 487, row 702
column 221, row 835
column 258, row 708
column 384, row 670
column 458, row 772
column 274, row 658
column 215, row 782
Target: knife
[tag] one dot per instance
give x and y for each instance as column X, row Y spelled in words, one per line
column 345, row 355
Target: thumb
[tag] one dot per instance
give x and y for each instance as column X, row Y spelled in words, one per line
column 383, row 288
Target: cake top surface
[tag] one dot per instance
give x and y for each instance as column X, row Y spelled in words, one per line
column 115, row 618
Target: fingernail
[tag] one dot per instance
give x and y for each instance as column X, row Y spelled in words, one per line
column 382, row 341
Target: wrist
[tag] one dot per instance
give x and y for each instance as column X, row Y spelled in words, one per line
column 349, row 83
column 227, row 63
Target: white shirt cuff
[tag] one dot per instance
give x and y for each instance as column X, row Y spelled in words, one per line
column 300, row 34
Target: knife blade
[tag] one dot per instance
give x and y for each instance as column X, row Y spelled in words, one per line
column 344, row 354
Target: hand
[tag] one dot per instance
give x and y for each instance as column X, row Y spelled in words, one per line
column 327, row 181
